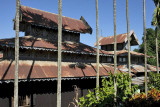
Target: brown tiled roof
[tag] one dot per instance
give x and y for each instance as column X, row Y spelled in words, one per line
column 120, row 39
column 50, row 20
column 48, row 69
column 29, row 41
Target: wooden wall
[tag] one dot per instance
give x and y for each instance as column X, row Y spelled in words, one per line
column 43, row 94
column 50, row 34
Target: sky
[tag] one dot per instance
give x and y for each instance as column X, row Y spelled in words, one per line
column 87, row 9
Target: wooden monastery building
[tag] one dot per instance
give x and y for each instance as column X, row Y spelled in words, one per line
column 38, row 60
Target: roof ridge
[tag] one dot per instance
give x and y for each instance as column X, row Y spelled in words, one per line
column 50, row 12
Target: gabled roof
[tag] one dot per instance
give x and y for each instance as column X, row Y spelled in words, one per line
column 50, row 20
column 32, row 70
column 30, row 42
column 121, row 38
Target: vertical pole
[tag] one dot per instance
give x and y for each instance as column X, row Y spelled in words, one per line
column 59, row 52
column 145, row 46
column 157, row 57
column 97, row 32
column 115, row 49
column 16, row 55
column 128, row 37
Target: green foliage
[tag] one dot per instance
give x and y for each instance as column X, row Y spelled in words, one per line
column 156, row 2
column 154, row 80
column 105, row 95
column 151, row 45
column 156, row 14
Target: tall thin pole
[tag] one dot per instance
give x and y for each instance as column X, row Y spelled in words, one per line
column 128, row 37
column 16, row 55
column 59, row 52
column 157, row 57
column 97, row 32
column 115, row 48
column 145, row 46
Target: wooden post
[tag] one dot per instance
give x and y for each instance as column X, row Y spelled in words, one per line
column 59, row 52
column 16, row 55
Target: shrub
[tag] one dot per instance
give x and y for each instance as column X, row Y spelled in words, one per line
column 154, row 81
column 105, row 95
column 141, row 100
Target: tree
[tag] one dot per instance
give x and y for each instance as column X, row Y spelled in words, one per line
column 59, row 52
column 151, row 46
column 156, row 23
column 128, row 37
column 16, row 55
column 115, row 48
column 97, row 31
column 145, row 47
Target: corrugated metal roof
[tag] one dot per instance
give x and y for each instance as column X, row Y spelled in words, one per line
column 136, row 68
column 138, row 80
column 50, row 20
column 133, row 53
column 110, row 39
column 38, row 43
column 120, row 39
column 47, row 69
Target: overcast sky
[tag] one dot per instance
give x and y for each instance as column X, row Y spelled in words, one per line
column 86, row 8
